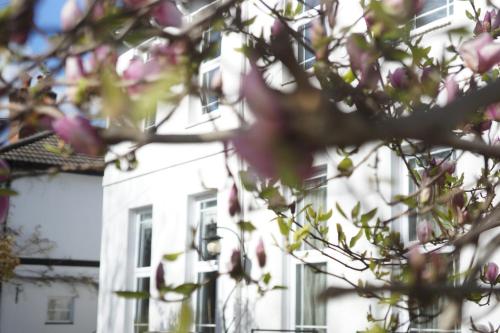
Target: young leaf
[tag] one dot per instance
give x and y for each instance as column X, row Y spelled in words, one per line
column 341, row 211
column 355, row 210
column 171, row 256
column 133, row 294
column 246, row 226
column 284, row 229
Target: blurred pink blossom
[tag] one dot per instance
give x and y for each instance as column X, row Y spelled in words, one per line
column 481, row 53
column 80, row 134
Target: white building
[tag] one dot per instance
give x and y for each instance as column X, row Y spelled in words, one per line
column 179, row 190
column 56, row 220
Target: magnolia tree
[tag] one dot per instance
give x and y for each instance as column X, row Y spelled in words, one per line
column 343, row 104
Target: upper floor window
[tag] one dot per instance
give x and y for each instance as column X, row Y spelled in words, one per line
column 143, row 229
column 211, row 43
column 418, row 164
column 315, row 197
column 310, row 313
column 433, row 10
column 305, row 56
column 209, row 99
column 60, row 310
column 308, row 5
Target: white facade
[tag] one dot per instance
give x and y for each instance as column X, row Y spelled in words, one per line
column 66, row 210
column 173, row 181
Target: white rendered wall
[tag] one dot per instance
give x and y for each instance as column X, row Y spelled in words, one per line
column 67, row 210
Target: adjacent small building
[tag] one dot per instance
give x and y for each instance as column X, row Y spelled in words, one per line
column 55, row 221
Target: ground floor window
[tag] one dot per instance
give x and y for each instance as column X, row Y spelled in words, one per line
column 60, row 310
column 310, row 313
column 206, row 303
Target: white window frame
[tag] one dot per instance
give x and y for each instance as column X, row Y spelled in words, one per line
column 70, row 310
column 198, row 115
column 405, row 230
column 450, row 11
column 302, row 21
column 293, row 282
column 137, row 271
column 320, row 171
column 199, row 265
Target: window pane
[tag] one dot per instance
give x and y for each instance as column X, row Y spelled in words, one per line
column 209, row 99
column 208, row 226
column 423, row 20
column 316, row 197
column 60, row 309
column 309, row 4
column 145, row 236
column 211, row 40
column 305, row 57
column 141, row 318
column 206, row 302
column 432, row 4
column 310, row 312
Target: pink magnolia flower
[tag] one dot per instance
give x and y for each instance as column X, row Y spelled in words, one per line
column 403, row 8
column 4, row 171
column 399, row 78
column 268, row 146
column 80, row 134
column 71, row 14
column 234, row 202
column 104, row 54
column 260, row 251
column 424, row 231
column 74, row 68
column 481, row 53
column 167, row 14
column 490, row 23
column 278, row 28
column 138, row 71
column 4, row 208
column 493, row 112
column 451, row 88
column 491, row 272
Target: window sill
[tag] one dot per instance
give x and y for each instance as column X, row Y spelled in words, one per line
column 432, row 27
column 203, row 119
column 59, row 323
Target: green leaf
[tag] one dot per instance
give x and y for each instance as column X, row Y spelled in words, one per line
column 340, row 232
column 249, row 22
column 345, row 166
column 368, row 216
column 248, row 180
column 266, row 278
column 246, row 226
column 302, row 233
column 355, row 210
column 341, row 211
column 7, row 192
column 284, row 228
column 185, row 318
column 171, row 256
column 293, row 247
column 279, row 288
column 326, row 216
column 355, row 239
column 186, row 289
column 133, row 294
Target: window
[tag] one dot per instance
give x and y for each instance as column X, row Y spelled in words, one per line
column 209, row 99
column 60, row 310
column 305, row 56
column 419, row 164
column 426, row 318
column 207, row 214
column 211, row 43
column 209, row 70
column 206, row 303
column 142, row 269
column 206, row 265
column 315, row 196
column 310, row 313
column 433, row 10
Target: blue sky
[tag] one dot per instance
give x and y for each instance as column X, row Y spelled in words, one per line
column 47, row 17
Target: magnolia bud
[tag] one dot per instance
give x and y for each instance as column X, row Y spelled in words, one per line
column 234, row 203
column 399, row 79
column 236, row 269
column 4, row 208
column 160, row 276
column 491, row 272
column 261, row 253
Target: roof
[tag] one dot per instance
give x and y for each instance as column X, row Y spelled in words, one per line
column 33, row 153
